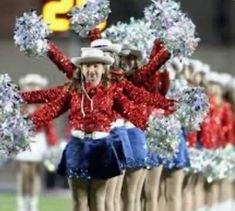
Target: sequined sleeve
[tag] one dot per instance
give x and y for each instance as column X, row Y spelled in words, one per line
column 227, row 122
column 60, row 60
column 50, row 111
column 164, row 82
column 149, row 69
column 43, row 95
column 94, row 34
column 137, row 114
column 157, row 46
column 139, row 95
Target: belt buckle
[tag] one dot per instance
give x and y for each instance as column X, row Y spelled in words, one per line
column 88, row 135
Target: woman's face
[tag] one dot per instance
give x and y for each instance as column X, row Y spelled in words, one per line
column 198, row 79
column 127, row 63
column 93, row 72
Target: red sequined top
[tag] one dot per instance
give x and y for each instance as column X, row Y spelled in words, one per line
column 97, row 118
column 210, row 134
column 148, row 75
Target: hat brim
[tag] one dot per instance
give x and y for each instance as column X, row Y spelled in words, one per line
column 136, row 53
column 103, row 60
column 116, row 48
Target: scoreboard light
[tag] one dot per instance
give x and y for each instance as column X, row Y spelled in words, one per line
column 54, row 13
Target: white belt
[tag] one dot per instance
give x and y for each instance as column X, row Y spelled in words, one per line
column 92, row 135
column 117, row 123
column 129, row 125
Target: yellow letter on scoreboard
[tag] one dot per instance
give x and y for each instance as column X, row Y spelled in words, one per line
column 50, row 11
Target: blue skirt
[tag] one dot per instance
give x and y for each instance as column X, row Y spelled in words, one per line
column 89, row 159
column 181, row 159
column 139, row 147
column 153, row 160
column 122, row 146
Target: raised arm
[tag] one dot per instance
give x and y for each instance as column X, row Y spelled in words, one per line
column 148, row 70
column 60, row 60
column 157, row 46
column 94, row 34
column 164, row 82
column 43, row 95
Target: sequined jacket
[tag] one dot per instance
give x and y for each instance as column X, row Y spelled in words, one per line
column 95, row 117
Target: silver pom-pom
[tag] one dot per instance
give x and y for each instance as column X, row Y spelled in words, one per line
column 15, row 128
column 86, row 17
column 137, row 33
column 162, row 134
column 220, row 165
column 173, row 27
column 30, row 34
column 199, row 160
column 192, row 107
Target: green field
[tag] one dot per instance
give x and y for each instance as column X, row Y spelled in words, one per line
column 47, row 203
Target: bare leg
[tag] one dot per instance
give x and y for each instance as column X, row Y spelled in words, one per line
column 151, row 188
column 138, row 201
column 97, row 194
column 162, row 192
column 110, row 193
column 225, row 196
column 174, row 184
column 187, row 202
column 212, row 193
column 130, row 188
column 35, row 184
column 79, row 190
column 199, row 193
column 21, row 180
column 118, row 193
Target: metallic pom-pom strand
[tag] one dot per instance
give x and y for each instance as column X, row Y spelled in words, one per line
column 162, row 134
column 137, row 33
column 86, row 17
column 192, row 107
column 30, row 34
column 174, row 28
column 15, row 128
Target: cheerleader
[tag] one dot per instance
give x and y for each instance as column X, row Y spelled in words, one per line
column 173, row 172
column 153, row 81
column 29, row 162
column 76, row 166
column 157, row 59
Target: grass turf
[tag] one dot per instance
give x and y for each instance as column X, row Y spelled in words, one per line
column 47, row 203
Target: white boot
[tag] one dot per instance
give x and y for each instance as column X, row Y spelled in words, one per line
column 33, row 203
column 21, row 203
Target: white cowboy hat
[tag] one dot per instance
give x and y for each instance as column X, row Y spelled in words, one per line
column 226, row 79
column 128, row 49
column 195, row 65
column 33, row 78
column 213, row 77
column 92, row 55
column 106, row 45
